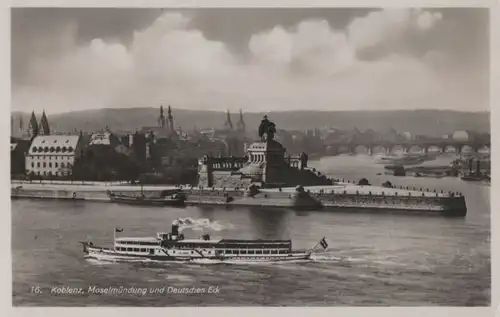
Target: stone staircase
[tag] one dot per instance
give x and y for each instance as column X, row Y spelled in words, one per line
column 231, row 179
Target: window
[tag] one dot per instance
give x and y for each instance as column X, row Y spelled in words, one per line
column 32, row 164
column 44, row 164
column 143, row 250
column 136, row 249
column 34, row 149
column 44, row 173
column 129, row 249
column 50, row 164
column 38, row 164
column 57, row 173
column 55, row 165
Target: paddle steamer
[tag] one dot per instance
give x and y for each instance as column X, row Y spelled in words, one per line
column 173, row 246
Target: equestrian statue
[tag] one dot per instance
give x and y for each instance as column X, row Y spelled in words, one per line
column 267, row 129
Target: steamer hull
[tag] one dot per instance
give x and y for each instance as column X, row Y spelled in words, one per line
column 106, row 254
column 172, row 247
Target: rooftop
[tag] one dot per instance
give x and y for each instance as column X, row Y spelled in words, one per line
column 100, row 139
column 54, row 144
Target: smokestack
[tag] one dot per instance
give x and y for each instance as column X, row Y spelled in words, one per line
column 175, row 230
column 478, row 167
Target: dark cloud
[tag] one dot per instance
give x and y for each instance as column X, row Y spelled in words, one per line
column 236, row 26
column 38, row 32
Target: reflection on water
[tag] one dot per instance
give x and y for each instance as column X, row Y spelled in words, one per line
column 269, row 223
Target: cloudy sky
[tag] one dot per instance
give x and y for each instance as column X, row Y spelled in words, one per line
column 255, row 59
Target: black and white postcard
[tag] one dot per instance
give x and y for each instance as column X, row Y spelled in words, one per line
column 250, row 156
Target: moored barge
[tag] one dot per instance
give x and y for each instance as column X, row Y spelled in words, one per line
column 166, row 198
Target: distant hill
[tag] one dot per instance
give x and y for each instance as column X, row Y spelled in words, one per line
column 429, row 122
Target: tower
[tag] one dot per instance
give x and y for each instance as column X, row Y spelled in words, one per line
column 170, row 119
column 33, row 129
column 228, row 123
column 241, row 123
column 44, row 125
column 161, row 118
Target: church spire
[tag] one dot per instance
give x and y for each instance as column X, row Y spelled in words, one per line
column 44, row 124
column 229, row 123
column 170, row 118
column 33, row 126
column 161, row 118
column 241, row 122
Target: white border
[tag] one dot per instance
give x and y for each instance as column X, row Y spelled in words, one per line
column 6, row 269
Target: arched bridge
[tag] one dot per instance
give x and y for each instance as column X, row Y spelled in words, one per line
column 424, row 146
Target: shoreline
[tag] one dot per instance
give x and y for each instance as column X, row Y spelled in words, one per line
column 326, row 198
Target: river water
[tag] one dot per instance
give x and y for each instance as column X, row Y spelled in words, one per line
column 372, row 259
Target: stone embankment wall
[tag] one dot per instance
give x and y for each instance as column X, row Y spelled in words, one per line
column 449, row 205
column 63, row 194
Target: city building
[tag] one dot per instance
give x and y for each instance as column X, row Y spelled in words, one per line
column 18, row 151
column 52, row 155
column 408, row 136
column 103, row 139
column 462, row 136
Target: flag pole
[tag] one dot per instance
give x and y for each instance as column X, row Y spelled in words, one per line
column 316, row 245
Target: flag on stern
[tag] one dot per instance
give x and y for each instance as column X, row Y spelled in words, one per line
column 323, row 243
column 118, row 229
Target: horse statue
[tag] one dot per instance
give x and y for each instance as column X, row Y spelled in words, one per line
column 267, row 129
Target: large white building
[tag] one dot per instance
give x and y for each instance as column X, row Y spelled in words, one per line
column 52, row 155
column 461, row 136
